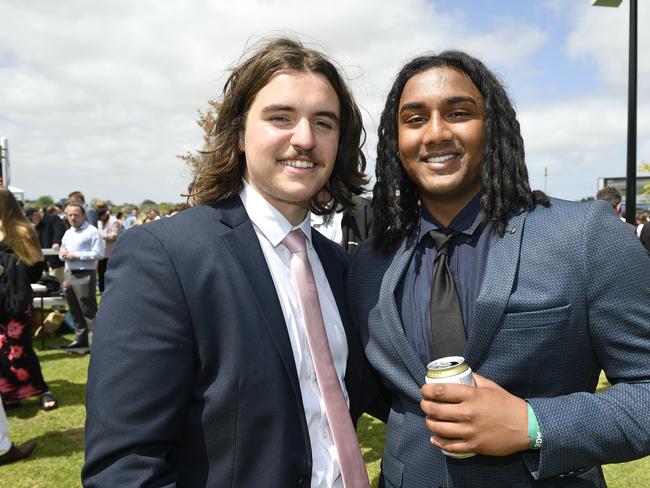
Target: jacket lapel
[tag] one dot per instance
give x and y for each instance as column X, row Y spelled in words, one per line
column 500, row 271
column 329, row 261
column 392, row 324
column 244, row 245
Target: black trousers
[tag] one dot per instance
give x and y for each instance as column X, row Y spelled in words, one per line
column 80, row 295
column 101, row 271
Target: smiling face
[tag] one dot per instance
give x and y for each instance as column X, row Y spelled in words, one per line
column 441, row 128
column 291, row 140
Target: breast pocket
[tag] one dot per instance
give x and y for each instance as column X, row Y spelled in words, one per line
column 536, row 318
column 526, row 344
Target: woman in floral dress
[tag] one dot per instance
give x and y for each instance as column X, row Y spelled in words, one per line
column 21, row 263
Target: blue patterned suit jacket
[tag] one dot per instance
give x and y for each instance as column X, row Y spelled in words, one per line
column 564, row 295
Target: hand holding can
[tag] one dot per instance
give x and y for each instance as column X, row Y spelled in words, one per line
column 450, row 369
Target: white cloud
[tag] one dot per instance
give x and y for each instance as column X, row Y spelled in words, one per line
column 580, row 140
column 510, row 45
column 101, row 96
column 602, row 33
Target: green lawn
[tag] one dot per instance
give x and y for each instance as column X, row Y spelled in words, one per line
column 58, row 457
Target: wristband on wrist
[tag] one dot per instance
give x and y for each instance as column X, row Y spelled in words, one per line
column 533, row 429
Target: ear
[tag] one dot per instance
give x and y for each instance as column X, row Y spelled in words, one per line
column 241, row 141
column 618, row 207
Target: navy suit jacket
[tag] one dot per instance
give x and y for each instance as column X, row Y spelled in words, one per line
column 192, row 380
column 563, row 297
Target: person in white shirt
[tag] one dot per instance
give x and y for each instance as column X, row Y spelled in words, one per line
column 81, row 248
column 219, row 380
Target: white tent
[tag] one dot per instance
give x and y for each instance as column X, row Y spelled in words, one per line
column 18, row 193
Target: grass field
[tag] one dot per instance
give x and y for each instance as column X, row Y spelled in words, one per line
column 58, row 457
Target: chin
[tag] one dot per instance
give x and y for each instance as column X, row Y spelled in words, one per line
column 439, row 190
column 301, row 193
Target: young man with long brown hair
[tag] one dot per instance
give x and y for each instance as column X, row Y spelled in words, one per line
column 215, row 376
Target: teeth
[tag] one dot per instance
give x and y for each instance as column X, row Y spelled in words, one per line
column 440, row 159
column 297, row 164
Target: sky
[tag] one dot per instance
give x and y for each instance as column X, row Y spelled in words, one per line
column 102, row 96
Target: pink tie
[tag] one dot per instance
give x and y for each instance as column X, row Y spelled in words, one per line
column 353, row 469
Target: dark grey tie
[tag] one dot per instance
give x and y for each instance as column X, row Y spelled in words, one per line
column 447, row 328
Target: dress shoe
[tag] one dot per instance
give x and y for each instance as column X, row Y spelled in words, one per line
column 77, row 344
column 16, row 453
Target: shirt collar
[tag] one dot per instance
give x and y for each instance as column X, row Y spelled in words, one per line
column 466, row 222
column 83, row 226
column 268, row 220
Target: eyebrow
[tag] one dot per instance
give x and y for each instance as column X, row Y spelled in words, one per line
column 288, row 108
column 457, row 100
column 448, row 101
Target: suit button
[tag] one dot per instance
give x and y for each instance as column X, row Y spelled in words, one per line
column 303, row 483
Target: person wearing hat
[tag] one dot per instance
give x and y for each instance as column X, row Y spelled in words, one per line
column 110, row 229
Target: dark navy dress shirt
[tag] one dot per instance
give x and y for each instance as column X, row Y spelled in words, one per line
column 467, row 258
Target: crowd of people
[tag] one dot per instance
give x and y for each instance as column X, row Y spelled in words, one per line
column 253, row 341
column 82, row 238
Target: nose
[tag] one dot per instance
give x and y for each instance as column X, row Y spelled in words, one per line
column 303, row 135
column 437, row 130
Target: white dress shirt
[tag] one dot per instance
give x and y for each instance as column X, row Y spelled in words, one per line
column 329, row 226
column 271, row 228
column 87, row 245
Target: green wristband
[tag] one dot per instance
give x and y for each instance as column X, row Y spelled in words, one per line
column 533, row 429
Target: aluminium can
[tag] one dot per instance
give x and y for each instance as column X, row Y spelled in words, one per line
column 451, row 369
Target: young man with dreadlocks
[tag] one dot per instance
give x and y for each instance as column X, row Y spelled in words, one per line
column 539, row 295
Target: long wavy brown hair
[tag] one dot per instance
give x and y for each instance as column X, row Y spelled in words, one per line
column 16, row 231
column 220, row 167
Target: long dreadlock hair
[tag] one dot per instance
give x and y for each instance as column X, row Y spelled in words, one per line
column 504, row 179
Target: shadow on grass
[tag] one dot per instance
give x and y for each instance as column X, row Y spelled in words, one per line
column 65, row 392
column 59, row 443
column 52, row 342
column 53, row 355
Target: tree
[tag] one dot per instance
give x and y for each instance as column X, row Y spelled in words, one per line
column 147, row 205
column 206, row 122
column 44, row 201
column 166, row 206
column 644, row 167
